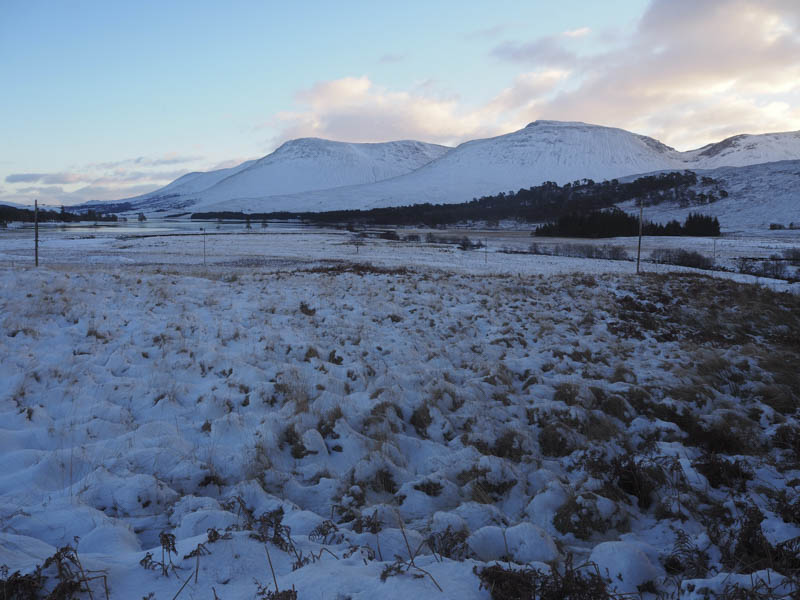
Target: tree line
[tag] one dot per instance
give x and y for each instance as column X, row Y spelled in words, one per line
column 618, row 223
column 26, row 215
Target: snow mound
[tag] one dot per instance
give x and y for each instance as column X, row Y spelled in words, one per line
column 524, row 544
column 628, row 564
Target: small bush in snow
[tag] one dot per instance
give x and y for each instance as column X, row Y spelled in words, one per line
column 721, row 472
column 792, row 255
column 450, row 543
column 389, row 235
column 684, row 258
column 582, row 583
column 553, row 442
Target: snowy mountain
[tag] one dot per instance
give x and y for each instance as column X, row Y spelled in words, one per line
column 297, row 166
column 192, row 183
column 542, row 151
column 175, row 194
column 313, row 174
column 743, row 150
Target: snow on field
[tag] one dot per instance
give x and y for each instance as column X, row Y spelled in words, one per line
column 379, row 424
column 276, row 249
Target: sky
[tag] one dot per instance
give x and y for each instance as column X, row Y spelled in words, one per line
column 106, row 100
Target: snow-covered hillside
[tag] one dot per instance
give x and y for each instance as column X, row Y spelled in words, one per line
column 742, row 150
column 175, row 195
column 316, row 164
column 296, row 166
column 758, row 195
column 542, row 151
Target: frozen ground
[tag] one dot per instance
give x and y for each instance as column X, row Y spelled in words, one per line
column 413, row 410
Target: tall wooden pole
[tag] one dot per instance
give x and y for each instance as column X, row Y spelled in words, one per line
column 36, row 230
column 639, row 250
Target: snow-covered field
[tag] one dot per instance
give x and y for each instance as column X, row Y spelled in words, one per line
column 277, row 247
column 378, row 421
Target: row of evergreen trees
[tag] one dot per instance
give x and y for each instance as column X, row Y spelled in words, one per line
column 10, row 214
column 618, row 223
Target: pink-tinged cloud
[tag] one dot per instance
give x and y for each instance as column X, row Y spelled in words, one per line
column 690, row 73
column 575, row 33
column 355, row 109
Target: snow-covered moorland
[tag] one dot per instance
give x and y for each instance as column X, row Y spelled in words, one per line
column 383, row 431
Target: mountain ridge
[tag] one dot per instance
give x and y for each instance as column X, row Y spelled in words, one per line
column 317, row 174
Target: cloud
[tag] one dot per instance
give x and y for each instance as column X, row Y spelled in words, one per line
column 527, row 91
column 391, row 58
column 486, row 32
column 95, row 181
column 129, row 176
column 56, row 195
column 43, row 190
column 143, row 161
column 574, row 33
column 118, row 175
column 100, row 192
column 547, row 51
column 687, row 73
column 354, row 109
column 64, row 178
column 690, row 72
column 46, row 178
column 231, row 162
column 24, row 177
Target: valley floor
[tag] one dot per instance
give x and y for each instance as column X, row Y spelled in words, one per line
column 391, row 420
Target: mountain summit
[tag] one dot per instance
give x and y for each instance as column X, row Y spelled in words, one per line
column 300, row 165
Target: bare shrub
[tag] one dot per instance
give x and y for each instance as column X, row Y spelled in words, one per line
column 684, row 258
column 792, row 255
column 553, row 441
column 780, row 398
column 450, row 543
column 421, row 419
column 721, row 472
column 637, row 479
column 570, row 582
